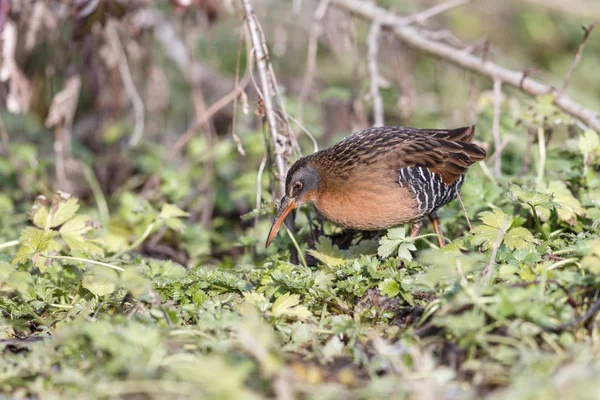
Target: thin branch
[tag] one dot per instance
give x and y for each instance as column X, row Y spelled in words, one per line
column 311, row 59
column 586, row 35
column 210, row 112
column 414, row 38
column 236, row 138
column 422, row 16
column 85, row 260
column 200, row 120
column 462, row 205
column 280, row 149
column 373, row 45
column 307, row 132
column 259, row 175
column 12, row 243
column 496, row 127
column 128, row 84
column 575, row 321
column 498, row 152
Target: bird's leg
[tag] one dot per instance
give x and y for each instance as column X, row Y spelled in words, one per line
column 416, row 229
column 435, row 221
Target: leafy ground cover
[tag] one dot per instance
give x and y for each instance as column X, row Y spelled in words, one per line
column 151, row 280
column 505, row 311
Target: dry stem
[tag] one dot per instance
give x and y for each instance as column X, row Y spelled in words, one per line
column 416, row 39
column 587, row 31
column 373, row 44
column 281, row 142
column 496, row 127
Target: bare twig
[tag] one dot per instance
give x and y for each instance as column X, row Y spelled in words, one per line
column 236, row 138
column 575, row 321
column 462, row 205
column 311, row 59
column 496, row 127
column 373, row 43
column 422, row 16
column 307, row 132
column 280, row 142
column 587, row 30
column 414, row 38
column 498, row 152
column 193, row 128
column 259, row 175
column 133, row 94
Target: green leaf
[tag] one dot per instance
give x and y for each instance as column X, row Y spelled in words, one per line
column 35, row 242
column 495, row 225
column 496, row 219
column 101, row 281
column 11, row 279
column 518, row 238
column 327, row 253
column 288, row 305
column 74, row 233
column 526, row 195
column 588, row 143
column 570, row 207
column 171, row 215
column 396, row 239
column 257, row 299
column 61, row 210
column 389, row 287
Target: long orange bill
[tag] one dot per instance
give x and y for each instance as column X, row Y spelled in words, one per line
column 286, row 207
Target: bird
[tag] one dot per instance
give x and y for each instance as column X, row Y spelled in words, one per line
column 382, row 177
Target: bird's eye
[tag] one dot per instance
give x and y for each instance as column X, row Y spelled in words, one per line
column 298, row 185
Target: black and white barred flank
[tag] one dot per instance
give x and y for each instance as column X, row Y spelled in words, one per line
column 428, row 188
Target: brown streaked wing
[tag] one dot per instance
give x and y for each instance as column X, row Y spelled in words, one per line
column 446, row 152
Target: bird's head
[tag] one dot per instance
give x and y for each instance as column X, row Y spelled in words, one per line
column 301, row 185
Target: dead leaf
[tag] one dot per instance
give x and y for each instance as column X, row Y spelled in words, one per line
column 41, row 17
column 19, row 95
column 64, row 104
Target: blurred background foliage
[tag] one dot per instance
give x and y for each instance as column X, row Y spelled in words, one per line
column 95, row 98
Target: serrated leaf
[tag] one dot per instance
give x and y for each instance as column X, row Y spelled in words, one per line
column 496, row 218
column 74, row 234
column 35, row 242
column 405, row 248
column 61, row 211
column 116, row 236
column 389, row 287
column 257, row 299
column 395, row 239
column 529, row 196
column 171, row 215
column 495, row 226
column 570, row 207
column 588, row 142
column 288, row 305
column 518, row 238
column 327, row 253
column 172, row 211
column 101, row 281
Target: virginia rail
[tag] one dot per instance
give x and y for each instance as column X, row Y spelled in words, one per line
column 382, row 177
